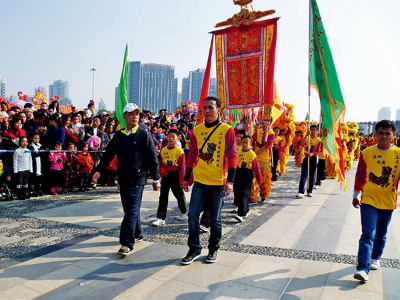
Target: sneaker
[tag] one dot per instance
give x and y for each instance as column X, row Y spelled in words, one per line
column 139, row 239
column 239, row 218
column 158, row 223
column 181, row 217
column 316, row 187
column 361, row 275
column 203, row 229
column 190, row 257
column 309, row 195
column 211, row 257
column 248, row 214
column 124, row 251
column 299, row 196
column 375, row 264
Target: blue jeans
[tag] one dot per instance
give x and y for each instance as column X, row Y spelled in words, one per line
column 131, row 198
column 374, row 223
column 215, row 195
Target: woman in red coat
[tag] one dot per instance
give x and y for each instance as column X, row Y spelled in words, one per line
column 15, row 131
column 69, row 136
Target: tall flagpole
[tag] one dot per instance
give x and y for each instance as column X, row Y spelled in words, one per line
column 309, row 95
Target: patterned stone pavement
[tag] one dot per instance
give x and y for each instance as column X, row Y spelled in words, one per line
column 64, row 247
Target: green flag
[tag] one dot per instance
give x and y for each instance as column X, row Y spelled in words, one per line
column 306, row 117
column 324, row 79
column 123, row 90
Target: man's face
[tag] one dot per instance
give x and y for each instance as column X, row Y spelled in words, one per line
column 313, row 132
column 28, row 114
column 43, row 106
column 211, row 111
column 22, row 117
column 276, row 131
column 384, row 137
column 132, row 118
column 4, row 107
column 104, row 118
column 96, row 122
column 246, row 143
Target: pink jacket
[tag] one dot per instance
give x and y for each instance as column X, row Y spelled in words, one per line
column 57, row 160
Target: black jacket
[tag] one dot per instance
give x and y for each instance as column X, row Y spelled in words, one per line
column 136, row 155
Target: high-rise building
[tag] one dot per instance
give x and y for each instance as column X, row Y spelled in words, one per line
column 116, row 98
column 60, row 88
column 185, row 95
column 2, row 87
column 384, row 114
column 398, row 114
column 175, row 94
column 179, row 99
column 134, row 87
column 152, row 86
column 65, row 101
column 102, row 105
column 195, row 83
column 42, row 89
column 212, row 90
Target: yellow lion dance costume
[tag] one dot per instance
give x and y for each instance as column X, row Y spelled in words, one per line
column 352, row 144
column 287, row 132
column 301, row 129
column 345, row 141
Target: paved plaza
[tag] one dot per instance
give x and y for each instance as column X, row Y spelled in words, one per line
column 64, row 247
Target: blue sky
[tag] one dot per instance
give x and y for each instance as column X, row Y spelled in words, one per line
column 45, row 40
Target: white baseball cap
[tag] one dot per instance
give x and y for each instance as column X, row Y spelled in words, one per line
column 130, row 107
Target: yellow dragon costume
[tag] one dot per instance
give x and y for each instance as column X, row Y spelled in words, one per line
column 287, row 129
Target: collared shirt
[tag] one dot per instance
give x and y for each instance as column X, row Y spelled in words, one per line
column 132, row 130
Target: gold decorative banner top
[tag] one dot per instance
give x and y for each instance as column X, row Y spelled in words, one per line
column 245, row 16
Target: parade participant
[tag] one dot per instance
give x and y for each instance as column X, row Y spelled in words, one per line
column 136, row 156
column 238, row 139
column 56, row 172
column 310, row 157
column 212, row 158
column 263, row 143
column 277, row 146
column 36, row 177
column 247, row 168
column 321, row 175
column 378, row 196
column 22, row 167
column 172, row 171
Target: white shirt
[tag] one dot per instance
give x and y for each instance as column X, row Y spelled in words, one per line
column 22, row 160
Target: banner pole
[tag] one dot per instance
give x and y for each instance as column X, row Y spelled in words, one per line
column 309, row 97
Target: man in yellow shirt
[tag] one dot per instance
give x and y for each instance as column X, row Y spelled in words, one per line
column 376, row 180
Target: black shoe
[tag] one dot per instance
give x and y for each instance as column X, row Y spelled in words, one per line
column 190, row 257
column 40, row 193
column 125, row 251
column 211, row 257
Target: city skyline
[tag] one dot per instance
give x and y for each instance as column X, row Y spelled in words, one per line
column 176, row 36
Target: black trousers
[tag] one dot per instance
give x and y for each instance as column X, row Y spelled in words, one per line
column 23, row 180
column 56, row 178
column 320, row 172
column 171, row 182
column 241, row 190
column 304, row 174
column 275, row 159
column 36, row 183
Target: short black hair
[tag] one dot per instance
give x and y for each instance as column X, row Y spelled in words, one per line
column 313, row 126
column 276, row 127
column 217, row 101
column 240, row 132
column 246, row 137
column 385, row 124
column 173, row 131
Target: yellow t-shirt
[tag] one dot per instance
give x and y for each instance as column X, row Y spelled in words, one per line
column 382, row 177
column 277, row 140
column 245, row 159
column 265, row 155
column 238, row 148
column 209, row 169
column 313, row 143
column 170, row 157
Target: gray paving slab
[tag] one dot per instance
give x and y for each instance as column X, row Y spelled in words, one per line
column 391, row 283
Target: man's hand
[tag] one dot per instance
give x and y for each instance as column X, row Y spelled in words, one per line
column 95, row 177
column 228, row 187
column 185, row 186
column 307, row 154
column 356, row 203
column 156, row 186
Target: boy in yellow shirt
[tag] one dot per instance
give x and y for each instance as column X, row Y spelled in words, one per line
column 377, row 179
column 247, row 168
column 312, row 155
column 172, row 171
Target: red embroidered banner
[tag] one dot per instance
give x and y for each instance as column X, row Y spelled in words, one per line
column 245, row 61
